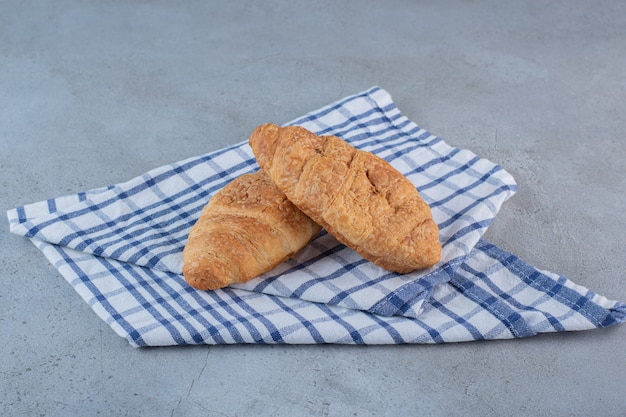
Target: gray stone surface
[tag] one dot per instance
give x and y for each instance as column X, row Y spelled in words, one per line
column 96, row 92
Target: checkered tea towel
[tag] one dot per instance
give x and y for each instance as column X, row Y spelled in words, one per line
column 120, row 247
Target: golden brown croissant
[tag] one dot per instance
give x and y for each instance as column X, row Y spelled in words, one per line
column 246, row 229
column 358, row 197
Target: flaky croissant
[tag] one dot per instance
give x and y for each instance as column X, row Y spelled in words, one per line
column 246, row 229
column 356, row 196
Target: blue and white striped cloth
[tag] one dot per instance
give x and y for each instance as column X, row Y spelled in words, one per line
column 120, row 247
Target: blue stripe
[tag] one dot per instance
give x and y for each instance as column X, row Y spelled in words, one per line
column 473, row 330
column 272, row 330
column 143, row 186
column 470, row 228
column 298, row 292
column 52, row 207
column 476, row 202
column 197, row 194
column 401, row 300
column 213, row 309
column 148, row 305
column 434, row 335
column 310, row 327
column 554, row 322
column 618, row 315
column 555, row 289
column 498, row 308
column 355, row 335
column 177, row 296
column 102, row 300
column 21, row 214
column 112, row 228
column 479, row 181
column 300, row 266
column 344, row 129
column 395, row 335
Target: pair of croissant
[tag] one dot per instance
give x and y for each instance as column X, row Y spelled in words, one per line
column 307, row 182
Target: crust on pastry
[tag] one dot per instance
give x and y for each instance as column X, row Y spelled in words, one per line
column 355, row 195
column 246, row 229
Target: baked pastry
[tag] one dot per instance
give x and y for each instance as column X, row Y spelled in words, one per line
column 356, row 196
column 246, row 229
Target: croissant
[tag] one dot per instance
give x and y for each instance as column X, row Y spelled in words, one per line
column 246, row 229
column 356, row 196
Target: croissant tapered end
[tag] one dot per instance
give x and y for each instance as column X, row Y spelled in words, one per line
column 203, row 271
column 247, row 229
column 265, row 139
column 356, row 196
